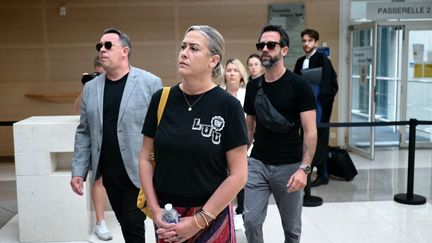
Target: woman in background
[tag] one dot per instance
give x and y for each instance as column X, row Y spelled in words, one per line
column 98, row 190
column 235, row 83
column 254, row 65
column 235, row 79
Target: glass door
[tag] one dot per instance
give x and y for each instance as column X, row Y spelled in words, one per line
column 417, row 95
column 362, row 86
column 388, row 82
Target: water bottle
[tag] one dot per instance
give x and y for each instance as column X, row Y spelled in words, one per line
column 170, row 215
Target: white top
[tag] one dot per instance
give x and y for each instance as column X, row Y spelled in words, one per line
column 241, row 92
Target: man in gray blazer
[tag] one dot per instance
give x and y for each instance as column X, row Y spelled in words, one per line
column 108, row 138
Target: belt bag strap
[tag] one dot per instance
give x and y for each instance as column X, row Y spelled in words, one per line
column 268, row 115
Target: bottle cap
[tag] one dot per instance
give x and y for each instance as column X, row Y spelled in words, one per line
column 168, row 206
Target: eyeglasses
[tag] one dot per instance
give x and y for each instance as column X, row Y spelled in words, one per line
column 107, row 45
column 271, row 45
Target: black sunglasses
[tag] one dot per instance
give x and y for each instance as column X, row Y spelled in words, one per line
column 271, row 45
column 107, row 45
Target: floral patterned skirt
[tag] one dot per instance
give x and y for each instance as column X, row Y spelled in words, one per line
column 220, row 230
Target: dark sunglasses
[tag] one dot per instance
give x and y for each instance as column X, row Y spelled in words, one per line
column 271, row 45
column 107, row 45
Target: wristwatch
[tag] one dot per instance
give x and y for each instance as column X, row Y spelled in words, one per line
column 306, row 168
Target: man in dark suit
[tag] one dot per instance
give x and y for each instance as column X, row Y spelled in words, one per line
column 326, row 91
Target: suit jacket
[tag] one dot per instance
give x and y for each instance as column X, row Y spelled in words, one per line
column 329, row 85
column 139, row 88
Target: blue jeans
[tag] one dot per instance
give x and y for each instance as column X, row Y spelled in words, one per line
column 262, row 181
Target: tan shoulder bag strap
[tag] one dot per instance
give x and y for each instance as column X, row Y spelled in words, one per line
column 141, row 200
column 162, row 103
column 161, row 108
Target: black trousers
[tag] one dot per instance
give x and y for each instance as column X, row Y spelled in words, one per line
column 321, row 153
column 122, row 194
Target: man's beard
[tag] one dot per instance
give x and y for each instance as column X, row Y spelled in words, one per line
column 271, row 61
column 308, row 50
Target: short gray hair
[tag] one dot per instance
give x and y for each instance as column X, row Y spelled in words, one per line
column 124, row 39
column 215, row 44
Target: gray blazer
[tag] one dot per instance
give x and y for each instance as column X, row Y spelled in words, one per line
column 139, row 88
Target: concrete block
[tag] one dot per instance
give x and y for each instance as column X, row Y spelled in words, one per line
column 49, row 210
column 45, row 134
column 34, row 164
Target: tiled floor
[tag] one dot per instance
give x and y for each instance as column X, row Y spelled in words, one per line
column 361, row 210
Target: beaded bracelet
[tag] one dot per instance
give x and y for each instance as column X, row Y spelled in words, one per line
column 197, row 224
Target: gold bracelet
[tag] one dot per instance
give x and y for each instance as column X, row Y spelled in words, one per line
column 205, row 219
column 208, row 214
column 196, row 223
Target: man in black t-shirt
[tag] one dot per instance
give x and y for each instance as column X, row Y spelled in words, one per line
column 280, row 161
column 108, row 138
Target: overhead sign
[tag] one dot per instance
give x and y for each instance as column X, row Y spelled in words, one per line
column 399, row 10
column 291, row 17
column 362, row 55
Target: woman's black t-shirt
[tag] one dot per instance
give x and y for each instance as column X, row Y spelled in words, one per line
column 190, row 146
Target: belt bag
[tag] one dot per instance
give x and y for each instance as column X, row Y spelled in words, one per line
column 268, row 115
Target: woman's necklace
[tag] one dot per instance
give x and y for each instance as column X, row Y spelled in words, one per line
column 187, row 101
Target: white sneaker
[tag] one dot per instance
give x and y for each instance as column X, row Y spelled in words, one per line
column 238, row 222
column 102, row 232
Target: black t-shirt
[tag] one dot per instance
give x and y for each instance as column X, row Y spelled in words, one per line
column 111, row 161
column 190, row 146
column 290, row 95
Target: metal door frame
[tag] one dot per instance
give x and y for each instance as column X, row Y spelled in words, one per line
column 373, row 26
column 406, row 26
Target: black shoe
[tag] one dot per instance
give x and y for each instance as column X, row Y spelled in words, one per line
column 319, row 181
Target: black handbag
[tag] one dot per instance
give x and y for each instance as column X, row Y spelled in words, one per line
column 268, row 115
column 340, row 164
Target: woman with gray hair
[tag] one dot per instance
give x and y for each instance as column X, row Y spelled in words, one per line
column 200, row 146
